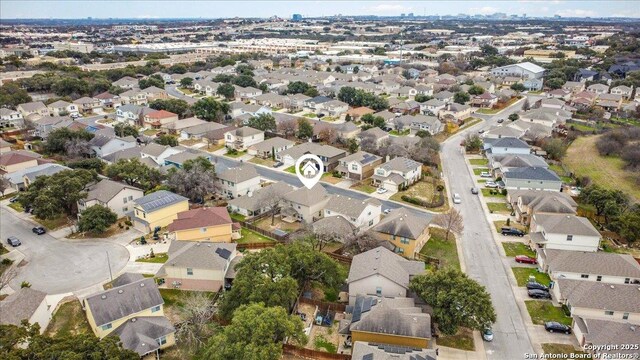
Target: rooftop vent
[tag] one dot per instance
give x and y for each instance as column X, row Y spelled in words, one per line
column 120, row 291
column 141, row 284
column 103, row 297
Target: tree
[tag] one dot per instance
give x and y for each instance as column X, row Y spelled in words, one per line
column 264, row 122
column 298, row 87
column 271, row 200
column 352, row 144
column 88, row 164
column 8, row 272
column 488, row 50
column 451, row 221
column 12, row 95
column 359, row 97
column 461, row 97
column 311, row 92
column 167, row 140
column 554, row 83
column 186, row 82
column 514, row 117
column 628, row 224
column 305, row 130
column 178, row 69
column 195, row 180
column 472, row 143
column 244, row 81
column 210, row 110
column 153, row 80
column 287, row 128
column 456, row 299
column 608, row 203
column 256, row 333
column 197, row 325
column 96, row 219
column 422, row 98
column 226, row 90
column 134, row 173
column 357, row 243
column 518, row 87
column 476, row 90
column 555, row 148
column 26, row 342
column 176, row 106
column 77, row 148
column 58, row 138
column 123, row 130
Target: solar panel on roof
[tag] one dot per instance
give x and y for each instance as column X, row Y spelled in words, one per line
column 368, row 357
column 367, row 158
column 357, row 310
column 366, row 306
column 224, row 253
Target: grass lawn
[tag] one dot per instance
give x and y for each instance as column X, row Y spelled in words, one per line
column 501, row 223
column 478, row 171
column 249, row 236
column 150, row 132
column 328, row 177
column 583, row 159
column 487, row 111
column 399, row 133
column 260, row 161
column 176, row 297
column 69, row 320
column 445, row 250
column 495, row 207
column 310, row 115
column 185, row 91
column 564, row 349
column 236, row 155
column 422, row 189
column 514, row 248
column 16, row 206
column 54, row 224
column 265, row 224
column 487, row 193
column 214, row 147
column 320, row 343
column 291, row 169
column 469, row 123
column 522, row 276
column 463, row 340
column 581, row 127
column 160, row 258
column 478, row 161
column 364, row 187
column 236, row 216
column 542, row 311
column 560, row 172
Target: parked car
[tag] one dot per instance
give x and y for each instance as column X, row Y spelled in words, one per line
column 14, row 241
column 500, row 121
column 381, row 190
column 490, row 184
column 13, row 199
column 481, row 131
column 474, row 191
column 278, row 164
column 511, row 231
column 553, row 326
column 456, row 198
column 386, row 211
column 524, row 259
column 485, row 174
column 347, row 342
column 532, row 285
column 539, row 294
column 487, row 334
column 39, row 230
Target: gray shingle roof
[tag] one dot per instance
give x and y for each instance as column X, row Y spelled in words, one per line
column 122, row 301
column 106, row 189
column 600, row 296
column 20, row 305
column 532, row 173
column 403, row 223
column 256, row 200
column 267, row 145
column 401, row 164
column 348, row 206
column 509, row 142
column 394, row 316
column 605, row 332
column 238, row 174
column 140, row 334
column 373, row 351
column 600, row 263
column 565, row 224
column 198, row 255
column 385, row 263
column 307, row 197
column 158, row 200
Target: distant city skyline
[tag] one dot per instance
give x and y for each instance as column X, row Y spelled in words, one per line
column 101, row 9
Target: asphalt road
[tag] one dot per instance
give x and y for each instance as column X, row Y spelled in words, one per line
column 173, row 92
column 59, row 266
column 481, row 255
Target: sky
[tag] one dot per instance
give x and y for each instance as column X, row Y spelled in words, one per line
column 66, row 9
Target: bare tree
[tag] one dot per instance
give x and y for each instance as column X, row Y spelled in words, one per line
column 451, row 221
column 271, row 200
column 4, row 185
column 195, row 181
column 360, row 242
column 77, row 148
column 368, row 143
column 288, row 128
column 197, row 312
column 211, row 138
column 8, row 274
column 328, row 135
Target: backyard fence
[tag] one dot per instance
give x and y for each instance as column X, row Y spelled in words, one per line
column 269, row 234
column 323, row 305
column 312, row 354
column 251, row 246
column 340, row 258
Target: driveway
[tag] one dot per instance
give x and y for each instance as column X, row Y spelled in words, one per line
column 481, row 254
column 59, row 266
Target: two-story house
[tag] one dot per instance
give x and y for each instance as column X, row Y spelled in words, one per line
column 238, row 181
column 10, row 118
column 103, row 145
column 159, row 119
column 210, row 224
column 564, row 232
column 116, row 196
column 527, row 203
column 242, row 138
column 270, row 147
column 329, row 155
column 397, row 172
column 87, row 104
column 362, row 214
column 532, row 178
column 406, row 231
column 33, row 110
column 306, row 205
column 61, row 108
column 359, row 165
column 159, row 153
column 157, row 209
column 506, row 145
column 132, row 114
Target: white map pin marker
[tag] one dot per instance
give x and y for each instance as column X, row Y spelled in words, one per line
column 309, row 169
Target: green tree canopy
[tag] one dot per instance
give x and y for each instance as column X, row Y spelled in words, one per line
column 58, row 138
column 226, row 90
column 210, row 109
column 186, row 82
column 358, row 97
column 96, row 219
column 176, row 106
column 476, row 90
column 12, row 95
column 264, row 122
column 244, row 81
column 167, row 140
column 461, row 97
column 122, row 130
column 305, row 130
column 457, row 300
column 134, row 173
column 153, row 80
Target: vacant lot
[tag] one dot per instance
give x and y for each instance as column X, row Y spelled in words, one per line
column 463, row 340
column 561, row 349
column 542, row 311
column 517, row 248
column 522, row 276
column 583, row 159
column 444, row 250
column 69, row 320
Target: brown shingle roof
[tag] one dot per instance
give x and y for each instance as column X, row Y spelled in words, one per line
column 198, row 218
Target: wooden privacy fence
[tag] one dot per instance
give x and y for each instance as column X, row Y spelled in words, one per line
column 262, row 245
column 312, row 354
column 340, row 258
column 322, row 305
column 280, row 238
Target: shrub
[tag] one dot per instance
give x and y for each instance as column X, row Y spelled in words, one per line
column 128, row 222
column 504, row 192
column 508, row 221
column 25, row 284
column 7, row 261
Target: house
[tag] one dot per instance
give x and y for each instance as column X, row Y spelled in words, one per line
column 375, row 133
column 134, row 97
column 10, row 118
column 108, row 100
column 238, row 181
column 532, row 178
column 296, row 101
column 527, row 203
column 182, row 157
column 444, row 96
column 396, row 173
column 374, row 351
column 359, row 165
column 407, row 231
column 432, row 107
column 5, row 146
column 329, row 155
column 525, row 70
column 247, row 93
column 506, row 145
column 13, row 161
column 503, row 131
column 126, row 82
column 177, row 127
column 381, row 272
column 392, row 321
column 606, row 338
column 610, row 268
column 598, row 89
column 29, row 175
column 159, row 153
column 132, row 310
column 501, row 163
column 116, row 196
column 157, row 209
column 305, row 204
column 154, row 93
column 201, row 130
column 242, row 138
column 88, row 105
column 357, row 112
column 455, row 111
column 197, row 266
column 564, row 232
column 103, row 145
column 159, row 119
column 61, row 108
column 270, row 99
column 26, row 304
column 416, row 123
column 573, row 87
column 484, row 100
column 362, row 214
column 260, row 200
column 405, row 107
column 132, row 114
column 33, row 110
column 270, row 147
column 210, row 224
column 598, row 300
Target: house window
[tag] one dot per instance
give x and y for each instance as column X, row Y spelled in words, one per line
column 162, row 340
column 627, row 280
column 609, row 313
column 371, row 222
column 625, row 316
column 354, row 167
column 328, row 212
column 204, row 229
column 378, row 291
column 189, row 271
column 124, row 199
column 106, row 326
column 404, row 240
column 130, row 197
column 584, row 276
column 599, row 278
column 569, row 237
column 125, row 209
column 155, row 309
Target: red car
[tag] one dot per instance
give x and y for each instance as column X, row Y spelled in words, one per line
column 525, row 259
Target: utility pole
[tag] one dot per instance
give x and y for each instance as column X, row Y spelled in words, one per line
column 109, row 264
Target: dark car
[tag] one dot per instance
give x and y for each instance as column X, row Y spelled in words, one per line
column 532, row 285
column 38, row 230
column 500, row 121
column 278, row 164
column 539, row 294
column 553, row 326
column 13, row 241
column 525, row 259
column 511, row 231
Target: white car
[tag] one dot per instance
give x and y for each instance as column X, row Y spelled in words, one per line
column 386, row 211
column 485, row 174
column 490, row 184
column 456, row 198
column 381, row 190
